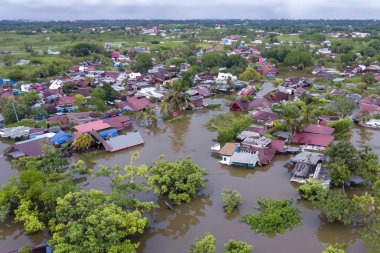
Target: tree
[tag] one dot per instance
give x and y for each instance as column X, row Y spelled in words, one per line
column 339, row 172
column 87, row 222
column 146, row 116
column 83, row 142
column 82, row 49
column 312, row 192
column 204, row 245
column 68, row 87
column 126, row 183
column 342, row 128
column 237, row 247
column 369, row 78
column 80, row 167
column 250, row 74
column 30, row 197
column 275, row 216
column 334, row 248
column 51, row 162
column 292, row 116
column 180, row 180
column 338, row 207
column 79, row 100
column 343, row 106
column 143, row 63
column 232, row 200
column 297, row 58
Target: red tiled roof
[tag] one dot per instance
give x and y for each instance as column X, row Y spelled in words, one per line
column 91, row 126
column 264, row 116
column 312, row 139
column 136, row 104
column 277, row 144
column 318, row 129
column 65, row 100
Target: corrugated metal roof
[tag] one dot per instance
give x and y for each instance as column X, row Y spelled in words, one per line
column 124, row 141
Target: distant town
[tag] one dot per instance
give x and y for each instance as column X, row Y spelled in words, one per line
column 291, row 100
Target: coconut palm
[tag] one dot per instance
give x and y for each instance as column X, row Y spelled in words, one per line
column 293, row 117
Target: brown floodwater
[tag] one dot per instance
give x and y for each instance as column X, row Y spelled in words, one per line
column 175, row 230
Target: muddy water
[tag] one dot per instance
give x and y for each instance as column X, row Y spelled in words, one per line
column 174, row 230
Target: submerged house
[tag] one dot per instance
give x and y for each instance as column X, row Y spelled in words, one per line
column 227, row 151
column 123, row 141
column 306, row 165
column 314, row 137
column 31, row 147
column 98, row 125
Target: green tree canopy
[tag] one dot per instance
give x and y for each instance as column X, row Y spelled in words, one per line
column 143, row 63
column 204, row 245
column 338, row 207
column 250, row 74
column 232, row 200
column 180, row 180
column 88, row 222
column 275, row 216
column 237, row 247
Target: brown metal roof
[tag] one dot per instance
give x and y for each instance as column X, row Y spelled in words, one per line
column 228, row 149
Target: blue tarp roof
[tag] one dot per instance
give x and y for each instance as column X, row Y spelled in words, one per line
column 109, row 133
column 60, row 138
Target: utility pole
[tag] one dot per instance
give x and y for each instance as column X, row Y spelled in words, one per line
column 14, row 109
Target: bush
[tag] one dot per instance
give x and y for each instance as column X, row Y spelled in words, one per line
column 275, row 216
column 232, row 199
column 180, row 180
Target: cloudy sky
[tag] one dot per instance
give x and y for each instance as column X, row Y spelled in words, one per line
column 188, row 9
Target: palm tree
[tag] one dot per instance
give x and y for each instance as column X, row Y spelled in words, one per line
column 147, row 116
column 293, row 117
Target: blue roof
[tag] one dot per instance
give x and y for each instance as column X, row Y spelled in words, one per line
column 109, row 133
column 4, row 81
column 60, row 138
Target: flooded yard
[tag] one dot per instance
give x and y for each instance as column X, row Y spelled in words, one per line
column 175, row 230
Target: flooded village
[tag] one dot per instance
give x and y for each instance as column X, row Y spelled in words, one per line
column 301, row 133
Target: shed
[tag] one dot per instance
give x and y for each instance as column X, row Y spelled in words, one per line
column 123, row 141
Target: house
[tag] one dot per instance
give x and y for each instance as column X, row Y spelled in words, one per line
column 306, row 165
column 250, row 90
column 245, row 134
column 319, row 129
column 56, row 84
column 149, row 92
column 264, row 116
column 64, row 104
column 97, row 125
column 257, row 104
column 224, row 77
column 244, row 158
column 119, row 122
column 135, row 104
column 15, row 132
column 276, row 96
column 258, row 129
column 60, row 138
column 123, row 141
column 31, row 147
column 312, row 141
column 369, row 105
column 264, row 147
column 227, row 151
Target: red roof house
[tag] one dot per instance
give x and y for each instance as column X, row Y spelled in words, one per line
column 321, row 140
column 135, row 104
column 91, row 126
column 319, row 129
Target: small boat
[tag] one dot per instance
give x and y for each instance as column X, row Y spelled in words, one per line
column 170, row 207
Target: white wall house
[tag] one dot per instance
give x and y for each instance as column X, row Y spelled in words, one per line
column 223, row 77
column 56, row 84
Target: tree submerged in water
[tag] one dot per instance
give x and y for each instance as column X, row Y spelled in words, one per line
column 275, row 216
column 232, row 200
column 180, row 180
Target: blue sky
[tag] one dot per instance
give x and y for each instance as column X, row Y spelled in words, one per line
column 189, row 9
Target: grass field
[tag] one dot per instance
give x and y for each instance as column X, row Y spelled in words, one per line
column 288, row 38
